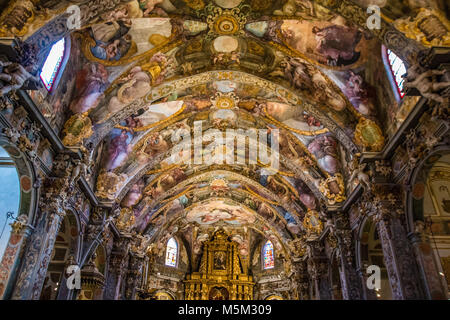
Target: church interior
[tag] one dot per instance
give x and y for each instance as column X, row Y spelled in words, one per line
column 224, row 150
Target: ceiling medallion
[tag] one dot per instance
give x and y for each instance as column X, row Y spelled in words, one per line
column 225, row 101
column 226, row 22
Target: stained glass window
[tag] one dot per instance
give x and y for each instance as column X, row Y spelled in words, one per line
column 398, row 69
column 52, row 64
column 269, row 262
column 171, row 253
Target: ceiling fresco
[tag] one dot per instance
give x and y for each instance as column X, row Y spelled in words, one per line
column 140, row 73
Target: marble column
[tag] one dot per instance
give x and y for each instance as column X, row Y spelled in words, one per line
column 318, row 270
column 37, row 255
column 367, row 294
column 350, row 281
column 117, row 270
column 399, row 256
column 301, row 280
column 134, row 277
column 10, row 263
column 429, row 271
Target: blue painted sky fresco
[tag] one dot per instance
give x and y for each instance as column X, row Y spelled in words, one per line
column 9, row 198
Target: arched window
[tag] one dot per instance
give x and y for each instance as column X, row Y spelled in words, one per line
column 171, row 253
column 52, row 65
column 268, row 257
column 397, row 69
column 9, row 197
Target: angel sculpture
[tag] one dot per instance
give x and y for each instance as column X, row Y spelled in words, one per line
column 358, row 173
column 425, row 82
column 14, row 75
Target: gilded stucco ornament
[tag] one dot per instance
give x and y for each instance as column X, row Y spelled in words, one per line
column 126, row 220
column 226, row 22
column 333, row 189
column 429, row 27
column 369, row 135
column 312, row 223
column 20, row 224
column 108, row 184
column 76, row 129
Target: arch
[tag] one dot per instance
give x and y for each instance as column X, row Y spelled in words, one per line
column 395, row 68
column 54, row 64
column 66, row 248
column 427, row 215
column 9, row 197
column 268, row 256
column 370, row 252
column 274, row 296
column 171, row 259
column 164, row 295
column 26, row 211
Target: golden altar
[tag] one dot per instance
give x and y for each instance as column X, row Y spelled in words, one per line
column 220, row 275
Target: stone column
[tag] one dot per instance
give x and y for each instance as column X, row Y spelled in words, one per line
column 399, row 257
column 301, row 280
column 367, row 294
column 350, row 281
column 117, row 270
column 433, row 284
column 318, row 270
column 38, row 253
column 9, row 263
column 134, row 277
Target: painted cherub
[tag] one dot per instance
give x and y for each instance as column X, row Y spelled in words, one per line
column 149, row 5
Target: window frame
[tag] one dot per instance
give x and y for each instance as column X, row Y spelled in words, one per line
column 263, row 255
column 61, row 68
column 391, row 74
column 177, row 247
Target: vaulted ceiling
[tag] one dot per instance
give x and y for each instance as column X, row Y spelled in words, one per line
column 142, row 72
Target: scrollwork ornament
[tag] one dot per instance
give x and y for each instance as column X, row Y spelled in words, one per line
column 333, row 188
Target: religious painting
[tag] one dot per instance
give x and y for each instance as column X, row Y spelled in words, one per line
column 117, row 42
column 330, row 44
column 90, row 84
column 294, row 117
column 438, row 187
column 216, row 211
column 220, row 260
column 218, row 293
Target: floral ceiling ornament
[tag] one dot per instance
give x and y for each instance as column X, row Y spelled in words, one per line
column 225, row 22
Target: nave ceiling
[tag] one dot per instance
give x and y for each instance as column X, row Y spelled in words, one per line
column 141, row 71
